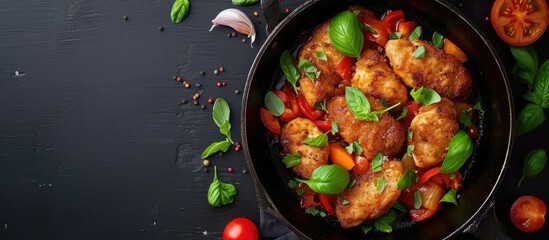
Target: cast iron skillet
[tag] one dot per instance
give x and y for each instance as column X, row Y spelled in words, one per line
column 482, row 173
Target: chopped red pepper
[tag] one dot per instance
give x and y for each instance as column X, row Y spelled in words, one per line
column 406, row 28
column 345, row 67
column 421, row 214
column 413, row 110
column 269, row 121
column 324, row 125
column 381, row 31
column 309, row 112
column 326, row 204
column 393, row 18
column 428, row 174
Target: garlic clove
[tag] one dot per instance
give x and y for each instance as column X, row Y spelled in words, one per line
column 237, row 20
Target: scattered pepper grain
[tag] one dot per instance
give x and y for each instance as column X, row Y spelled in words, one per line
column 224, row 84
column 161, row 28
column 233, row 34
column 237, row 92
column 187, row 85
column 197, row 84
column 243, row 40
column 221, row 69
column 202, row 73
column 230, row 170
column 206, row 162
column 195, row 103
column 256, row 13
column 216, row 72
column 202, row 106
column 126, row 18
column 178, row 78
column 244, row 171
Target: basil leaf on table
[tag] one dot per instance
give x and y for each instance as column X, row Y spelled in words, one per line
column 407, row 180
column 292, row 160
column 459, row 150
column 319, row 141
column 274, row 103
column 244, row 2
column 288, row 66
column 526, row 66
column 328, row 179
column 220, row 193
column 425, row 96
column 531, row 117
column 534, row 163
column 416, row 33
column 346, row 34
column 216, row 147
column 221, row 112
column 310, row 70
column 180, row 10
column 541, row 84
column 450, row 197
column 322, row 56
column 438, row 40
column 225, row 129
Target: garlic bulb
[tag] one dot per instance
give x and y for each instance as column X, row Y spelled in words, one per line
column 237, row 20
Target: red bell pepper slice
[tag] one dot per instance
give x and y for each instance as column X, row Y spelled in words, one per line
column 453, row 181
column 324, row 125
column 269, row 121
column 291, row 110
column 406, row 28
column 345, row 67
column 325, row 201
column 413, row 110
column 381, row 31
column 428, row 174
column 393, row 18
column 309, row 112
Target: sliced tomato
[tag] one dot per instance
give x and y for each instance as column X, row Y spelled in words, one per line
column 362, row 165
column 519, row 22
column 324, row 125
column 269, row 121
column 406, row 28
column 449, row 181
column 431, row 194
column 528, row 213
column 392, row 18
column 381, row 31
column 413, row 110
column 345, row 67
column 308, row 198
column 326, row 203
column 309, row 112
column 428, row 174
column 421, row 214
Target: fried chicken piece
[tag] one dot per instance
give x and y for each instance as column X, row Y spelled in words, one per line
column 291, row 138
column 324, row 86
column 437, row 70
column 433, row 128
column 374, row 77
column 364, row 200
column 385, row 136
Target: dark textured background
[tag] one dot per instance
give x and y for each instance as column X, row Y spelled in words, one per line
column 94, row 143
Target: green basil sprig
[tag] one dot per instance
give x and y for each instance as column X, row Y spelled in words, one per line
column 328, row 179
column 416, row 33
column 360, row 107
column 534, row 163
column 385, row 222
column 288, row 66
column 319, row 141
column 180, row 10
column 425, row 96
column 221, row 116
column 438, row 40
column 220, row 193
column 244, row 2
column 322, row 56
column 334, row 129
column 459, row 150
column 310, row 70
column 407, row 180
column 417, row 200
column 419, row 52
column 527, row 64
column 395, row 35
column 274, row 103
column 380, row 184
column 540, row 91
column 354, row 147
column 346, row 34
column 292, row 160
column 377, row 163
column 450, row 197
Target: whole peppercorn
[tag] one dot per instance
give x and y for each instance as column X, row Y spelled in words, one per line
column 161, row 28
column 195, row 103
column 230, row 170
column 237, row 148
column 243, row 40
column 178, row 78
column 187, row 85
column 184, row 101
column 234, row 34
column 287, row 10
column 221, row 69
column 202, row 73
column 244, row 171
column 206, row 162
column 210, row 100
column 218, row 84
column 197, row 84
column 256, row 13
column 216, row 72
column 236, row 91
column 224, row 84
column 126, row 18
column 202, row 106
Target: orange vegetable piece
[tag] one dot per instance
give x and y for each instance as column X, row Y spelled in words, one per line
column 452, row 49
column 340, row 156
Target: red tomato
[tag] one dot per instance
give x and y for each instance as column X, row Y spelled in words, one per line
column 430, row 195
column 308, row 197
column 240, row 229
column 519, row 22
column 472, row 131
column 407, row 196
column 381, row 29
column 528, row 213
column 324, row 125
column 393, row 18
column 447, row 181
column 309, row 112
column 362, row 165
column 428, row 174
column 269, row 121
column 292, row 98
column 326, row 203
column 345, row 67
column 413, row 110
column 421, row 214
column 406, row 28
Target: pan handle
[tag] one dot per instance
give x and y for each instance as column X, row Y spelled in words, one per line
column 272, row 12
column 486, row 226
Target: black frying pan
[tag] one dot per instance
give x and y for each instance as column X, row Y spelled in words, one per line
column 482, row 173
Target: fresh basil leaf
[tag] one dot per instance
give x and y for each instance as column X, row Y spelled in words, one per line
column 377, row 163
column 319, row 141
column 464, row 119
column 180, row 10
column 346, row 35
column 216, row 147
column 477, row 106
column 322, row 214
column 374, row 116
column 534, row 98
column 541, row 84
column 380, row 184
column 410, row 134
column 459, row 150
column 366, row 229
column 357, row 102
column 526, row 64
column 534, row 163
column 274, row 103
column 425, row 96
column 287, row 64
column 322, row 56
column 309, row 69
column 419, row 52
column 367, row 27
column 416, row 33
column 354, row 147
column 529, row 118
column 403, row 113
column 390, row 217
column 225, row 129
column 313, row 211
column 220, row 193
column 407, row 179
column 438, row 40
column 409, row 150
column 244, row 2
column 395, row 35
column 221, row 112
column 291, row 160
column 293, row 184
column 334, row 129
column 398, row 206
column 417, row 200
column 321, row 105
column 328, row 179
column 383, row 226
column 300, row 192
column 345, row 202
column 450, row 197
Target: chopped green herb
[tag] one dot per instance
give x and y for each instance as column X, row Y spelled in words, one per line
column 403, row 114
column 334, row 129
column 322, row 56
column 300, row 192
column 310, row 70
column 406, row 180
column 380, row 183
column 450, row 197
column 438, row 40
column 292, row 160
column 377, row 162
column 354, row 147
column 464, row 119
column 345, row 202
column 319, row 141
column 321, row 105
column 398, row 206
column 352, row 184
column 415, row 34
column 313, row 211
column 417, row 200
column 395, row 35
column 419, row 52
column 409, row 150
column 293, row 184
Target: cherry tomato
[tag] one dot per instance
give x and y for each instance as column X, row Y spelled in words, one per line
column 392, row 18
column 326, row 203
column 362, row 165
column 421, row 214
column 519, row 22
column 381, row 31
column 240, row 229
column 449, row 181
column 472, row 131
column 528, row 213
column 309, row 112
column 269, row 121
column 406, row 28
column 345, row 67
